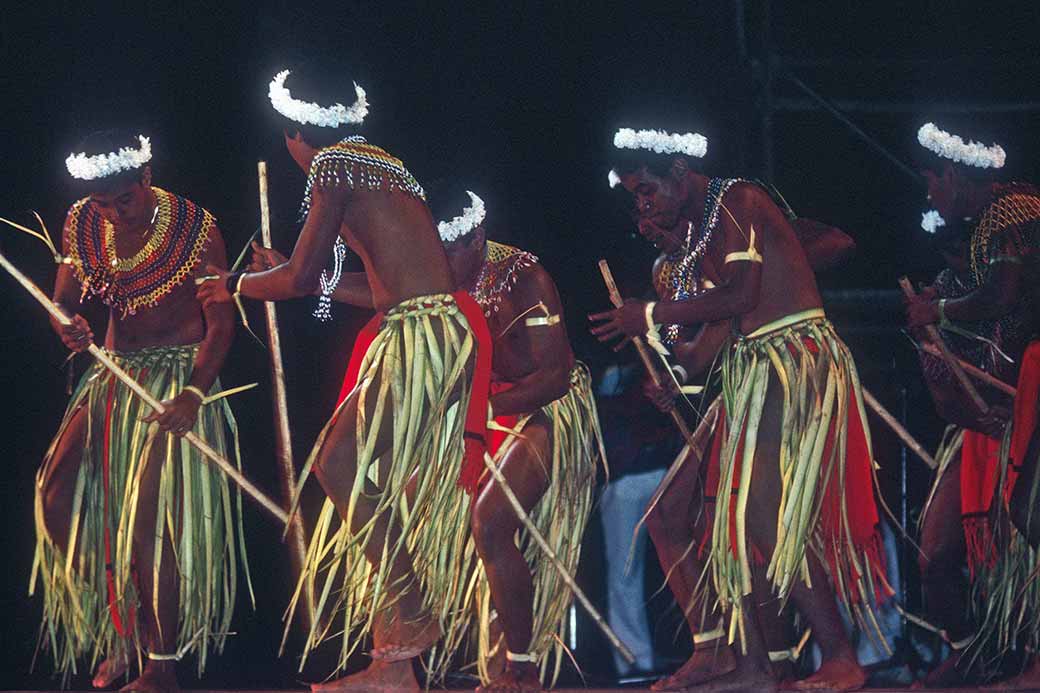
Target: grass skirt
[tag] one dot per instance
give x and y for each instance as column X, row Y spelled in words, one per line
column 90, row 611
column 561, row 516
column 825, row 467
column 415, row 363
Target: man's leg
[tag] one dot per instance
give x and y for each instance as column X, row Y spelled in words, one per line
column 159, row 599
column 947, row 594
column 682, row 517
column 1025, row 498
column 525, row 466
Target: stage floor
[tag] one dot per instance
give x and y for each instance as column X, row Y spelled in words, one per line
column 590, row 690
column 582, row 690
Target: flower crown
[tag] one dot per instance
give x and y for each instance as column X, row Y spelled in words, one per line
column 464, row 223
column 931, row 221
column 86, row 167
column 690, row 144
column 953, row 147
column 311, row 113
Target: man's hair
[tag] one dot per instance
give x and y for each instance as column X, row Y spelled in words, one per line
column 107, row 142
column 323, row 86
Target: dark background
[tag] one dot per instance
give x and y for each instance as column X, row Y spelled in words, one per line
column 519, row 102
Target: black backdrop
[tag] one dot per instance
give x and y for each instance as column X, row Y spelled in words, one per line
column 519, row 101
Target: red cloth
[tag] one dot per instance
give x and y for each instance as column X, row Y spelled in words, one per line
column 476, row 415
column 859, row 502
column 113, row 605
column 1026, row 402
column 498, row 438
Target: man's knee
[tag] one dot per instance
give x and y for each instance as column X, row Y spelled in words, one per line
column 937, row 561
column 491, row 530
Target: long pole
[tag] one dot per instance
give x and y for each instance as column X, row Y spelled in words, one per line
column 282, row 431
column 977, row 373
column 202, row 446
column 908, row 440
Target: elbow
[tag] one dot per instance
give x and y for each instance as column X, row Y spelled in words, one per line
column 561, row 380
column 303, row 284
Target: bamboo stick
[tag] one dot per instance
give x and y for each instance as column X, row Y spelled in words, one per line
column 525, row 519
column 977, row 373
column 944, row 353
column 644, row 353
column 283, row 434
column 899, row 430
column 232, row 472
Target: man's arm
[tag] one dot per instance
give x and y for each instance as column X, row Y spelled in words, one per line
column 992, row 300
column 353, row 287
column 182, row 410
column 825, row 246
column 299, row 276
column 697, row 355
column 547, row 344
column 77, row 336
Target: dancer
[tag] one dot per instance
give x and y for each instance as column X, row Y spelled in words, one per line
column 999, row 227
column 382, row 561
column 138, row 537
column 784, row 372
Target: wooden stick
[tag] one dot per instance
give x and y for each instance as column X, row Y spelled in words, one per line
column 232, row 472
column 525, row 519
column 944, row 353
column 977, row 373
column 282, row 432
column 899, row 430
column 644, row 352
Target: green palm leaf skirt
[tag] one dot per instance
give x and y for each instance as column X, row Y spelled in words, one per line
column 414, row 374
column 826, row 470
column 91, row 603
column 561, row 516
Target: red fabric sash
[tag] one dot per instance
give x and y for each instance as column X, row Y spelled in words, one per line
column 1026, row 402
column 476, row 415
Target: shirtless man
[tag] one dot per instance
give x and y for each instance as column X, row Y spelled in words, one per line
column 137, row 248
column 538, row 390
column 683, row 514
column 999, row 227
column 738, row 259
column 400, row 417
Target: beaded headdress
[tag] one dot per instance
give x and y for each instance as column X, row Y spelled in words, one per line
column 307, row 113
column 464, row 223
column 97, row 166
column 952, row 147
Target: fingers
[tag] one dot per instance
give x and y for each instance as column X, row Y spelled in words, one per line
column 608, row 332
column 597, row 317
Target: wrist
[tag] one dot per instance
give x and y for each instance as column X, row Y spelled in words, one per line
column 194, row 393
column 233, row 283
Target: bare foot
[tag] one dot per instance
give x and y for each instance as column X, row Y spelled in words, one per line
column 379, row 676
column 742, row 680
column 945, row 675
column 110, row 670
column 839, row 674
column 704, row 665
column 157, row 677
column 1028, row 680
column 406, row 632
column 518, row 677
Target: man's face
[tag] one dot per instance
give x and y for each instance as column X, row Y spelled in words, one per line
column 955, row 255
column 128, row 206
column 301, row 152
column 658, row 203
column 949, row 193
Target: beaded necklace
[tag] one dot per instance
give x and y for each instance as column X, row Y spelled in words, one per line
column 498, row 274
column 180, row 233
column 680, row 275
column 358, row 164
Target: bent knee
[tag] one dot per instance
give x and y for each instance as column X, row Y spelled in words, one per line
column 492, row 532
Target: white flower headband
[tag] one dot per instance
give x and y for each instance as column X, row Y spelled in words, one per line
column 931, row 221
column 464, row 223
column 690, row 144
column 953, row 147
column 103, row 165
column 311, row 113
